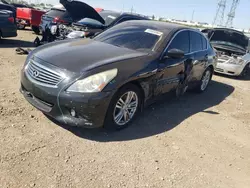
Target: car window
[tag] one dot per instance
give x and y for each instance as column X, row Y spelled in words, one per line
column 181, row 41
column 57, row 13
column 134, row 38
column 196, row 42
column 204, row 43
column 109, row 17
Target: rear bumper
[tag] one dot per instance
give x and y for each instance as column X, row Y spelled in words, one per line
column 229, row 69
column 10, row 31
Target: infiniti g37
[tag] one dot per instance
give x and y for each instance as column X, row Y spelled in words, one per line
column 105, row 81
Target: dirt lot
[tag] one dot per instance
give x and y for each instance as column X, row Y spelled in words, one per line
column 197, row 141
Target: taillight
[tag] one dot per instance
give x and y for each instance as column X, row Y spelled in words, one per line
column 58, row 20
column 11, row 19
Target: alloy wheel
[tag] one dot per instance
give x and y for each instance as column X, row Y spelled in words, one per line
column 205, row 80
column 125, row 108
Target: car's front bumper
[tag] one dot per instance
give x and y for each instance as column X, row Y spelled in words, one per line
column 90, row 109
column 229, row 69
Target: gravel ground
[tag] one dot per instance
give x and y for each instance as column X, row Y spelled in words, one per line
column 196, row 141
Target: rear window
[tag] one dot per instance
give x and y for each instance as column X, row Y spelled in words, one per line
column 109, row 16
column 134, row 38
column 57, row 13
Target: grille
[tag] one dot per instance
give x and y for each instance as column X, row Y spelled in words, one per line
column 43, row 75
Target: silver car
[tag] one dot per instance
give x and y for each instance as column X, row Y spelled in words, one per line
column 231, row 47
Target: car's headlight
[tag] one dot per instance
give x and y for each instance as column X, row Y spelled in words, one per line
column 94, row 83
column 77, row 34
column 237, row 61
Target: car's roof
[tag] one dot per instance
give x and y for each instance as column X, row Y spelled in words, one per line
column 124, row 13
column 162, row 26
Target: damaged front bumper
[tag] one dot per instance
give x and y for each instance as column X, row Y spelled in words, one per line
column 74, row 109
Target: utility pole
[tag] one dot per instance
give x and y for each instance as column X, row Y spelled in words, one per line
column 231, row 14
column 219, row 16
column 132, row 9
column 193, row 15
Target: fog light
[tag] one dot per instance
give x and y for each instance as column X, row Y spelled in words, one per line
column 73, row 112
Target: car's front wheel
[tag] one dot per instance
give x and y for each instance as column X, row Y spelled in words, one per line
column 205, row 80
column 123, row 107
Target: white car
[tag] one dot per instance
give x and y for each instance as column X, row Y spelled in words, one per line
column 231, row 48
column 234, row 66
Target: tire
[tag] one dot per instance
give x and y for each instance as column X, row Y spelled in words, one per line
column 206, row 77
column 20, row 26
column 36, row 29
column 246, row 71
column 113, row 111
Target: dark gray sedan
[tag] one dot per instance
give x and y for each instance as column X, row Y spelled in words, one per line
column 107, row 80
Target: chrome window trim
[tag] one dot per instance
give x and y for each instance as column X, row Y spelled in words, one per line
column 189, row 38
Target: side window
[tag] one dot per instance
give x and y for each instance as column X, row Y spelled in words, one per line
column 181, row 42
column 204, row 43
column 196, row 43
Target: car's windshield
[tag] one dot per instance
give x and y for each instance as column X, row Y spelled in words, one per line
column 109, row 16
column 135, row 38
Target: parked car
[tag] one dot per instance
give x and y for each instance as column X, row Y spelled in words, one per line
column 87, row 27
column 66, row 13
column 4, row 6
column 232, row 47
column 29, row 17
column 105, row 81
column 7, row 24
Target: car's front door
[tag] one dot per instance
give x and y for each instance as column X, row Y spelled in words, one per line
column 170, row 69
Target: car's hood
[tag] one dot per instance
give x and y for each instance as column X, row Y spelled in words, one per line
column 83, row 54
column 232, row 49
column 79, row 10
column 227, row 36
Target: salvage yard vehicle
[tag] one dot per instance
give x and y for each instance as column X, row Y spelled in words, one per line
column 29, row 17
column 64, row 14
column 87, row 22
column 232, row 47
column 4, row 6
column 105, row 81
column 7, row 24
column 88, row 27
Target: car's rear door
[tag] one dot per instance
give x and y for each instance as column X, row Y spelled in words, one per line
column 198, row 49
column 170, row 69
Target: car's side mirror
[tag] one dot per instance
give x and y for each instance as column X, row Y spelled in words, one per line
column 175, row 54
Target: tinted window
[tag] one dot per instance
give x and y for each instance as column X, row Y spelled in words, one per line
column 204, row 43
column 109, row 16
column 196, row 43
column 134, row 38
column 57, row 13
column 181, row 42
